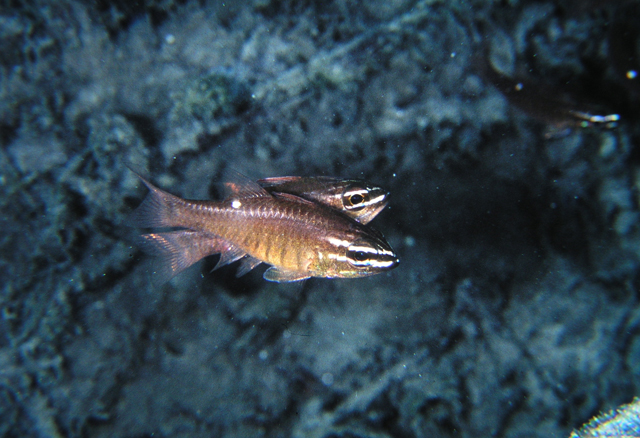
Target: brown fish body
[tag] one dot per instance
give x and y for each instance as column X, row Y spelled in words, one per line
column 299, row 238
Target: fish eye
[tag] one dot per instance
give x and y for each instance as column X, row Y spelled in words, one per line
column 361, row 254
column 356, row 198
column 368, row 254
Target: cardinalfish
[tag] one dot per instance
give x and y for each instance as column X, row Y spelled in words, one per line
column 559, row 110
column 353, row 197
column 307, row 232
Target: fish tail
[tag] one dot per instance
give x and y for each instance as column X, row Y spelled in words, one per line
column 157, row 209
column 177, row 250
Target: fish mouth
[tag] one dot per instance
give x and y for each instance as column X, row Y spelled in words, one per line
column 387, row 257
column 378, row 267
column 387, row 262
column 369, row 215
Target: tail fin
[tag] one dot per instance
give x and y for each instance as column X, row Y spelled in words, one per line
column 156, row 210
column 177, row 250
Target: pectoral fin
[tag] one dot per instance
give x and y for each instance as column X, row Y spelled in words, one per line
column 282, row 275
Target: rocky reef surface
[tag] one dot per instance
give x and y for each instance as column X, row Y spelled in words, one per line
column 515, row 310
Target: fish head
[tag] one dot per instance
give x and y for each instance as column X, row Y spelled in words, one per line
column 363, row 255
column 354, row 197
column 362, row 201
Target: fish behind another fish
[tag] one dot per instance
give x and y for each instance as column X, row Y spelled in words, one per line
column 353, row 197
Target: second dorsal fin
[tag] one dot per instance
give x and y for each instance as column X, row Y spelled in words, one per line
column 239, row 186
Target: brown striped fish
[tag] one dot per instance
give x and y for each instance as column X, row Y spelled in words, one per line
column 299, row 238
column 354, row 197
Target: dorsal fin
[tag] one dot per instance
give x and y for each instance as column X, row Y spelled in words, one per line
column 240, row 187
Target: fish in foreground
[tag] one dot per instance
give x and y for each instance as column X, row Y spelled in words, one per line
column 299, row 238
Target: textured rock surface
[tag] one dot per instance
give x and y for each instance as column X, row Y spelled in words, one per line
column 515, row 309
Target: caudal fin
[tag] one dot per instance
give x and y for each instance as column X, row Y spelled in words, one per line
column 177, row 250
column 156, row 210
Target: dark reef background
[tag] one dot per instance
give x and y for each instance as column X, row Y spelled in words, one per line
column 514, row 313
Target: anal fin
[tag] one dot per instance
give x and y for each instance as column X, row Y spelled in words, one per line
column 229, row 255
column 246, row 265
